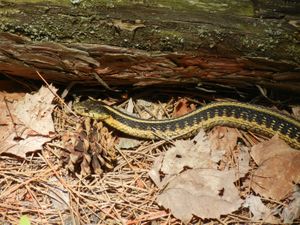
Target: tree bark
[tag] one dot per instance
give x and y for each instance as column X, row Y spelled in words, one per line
column 237, row 43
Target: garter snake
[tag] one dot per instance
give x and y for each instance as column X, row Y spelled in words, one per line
column 245, row 116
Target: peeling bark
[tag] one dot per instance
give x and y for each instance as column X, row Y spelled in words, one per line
column 238, row 43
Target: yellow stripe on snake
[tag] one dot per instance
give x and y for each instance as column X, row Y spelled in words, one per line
column 245, row 116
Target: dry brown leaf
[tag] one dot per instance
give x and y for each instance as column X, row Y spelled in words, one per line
column 17, row 138
column 276, row 176
column 128, row 143
column 223, row 138
column 206, row 193
column 150, row 109
column 292, row 210
column 35, row 111
column 130, row 106
column 226, row 139
column 296, row 111
column 139, row 183
column 19, row 146
column 60, row 197
column 146, row 105
column 259, row 210
column 243, row 161
column 182, row 107
column 6, row 100
column 269, row 149
column 193, row 153
column 155, row 174
column 278, row 171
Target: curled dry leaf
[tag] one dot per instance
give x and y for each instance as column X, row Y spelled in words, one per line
column 206, row 193
column 292, row 210
column 128, row 143
column 155, row 174
column 278, row 171
column 296, row 111
column 226, row 139
column 27, row 123
column 149, row 109
column 6, row 105
column 20, row 145
column 269, row 149
column 223, row 138
column 35, row 111
column 193, row 153
column 243, row 161
column 190, row 192
column 58, row 194
column 130, row 106
column 182, row 107
column 259, row 210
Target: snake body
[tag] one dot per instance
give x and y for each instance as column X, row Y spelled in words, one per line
column 245, row 116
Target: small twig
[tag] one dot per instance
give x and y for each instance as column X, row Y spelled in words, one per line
column 124, row 157
column 103, row 83
column 62, row 181
column 56, row 95
column 11, row 117
column 67, row 89
column 164, row 110
column 149, row 112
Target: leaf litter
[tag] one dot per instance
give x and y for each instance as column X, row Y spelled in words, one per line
column 127, row 195
column 259, row 210
column 35, row 110
column 292, row 210
column 194, row 180
column 206, row 193
column 27, row 124
column 193, row 153
column 278, row 169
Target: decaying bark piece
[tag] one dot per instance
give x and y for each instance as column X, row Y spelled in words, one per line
column 146, row 44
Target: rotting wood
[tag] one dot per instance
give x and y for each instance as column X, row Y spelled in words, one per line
column 146, row 44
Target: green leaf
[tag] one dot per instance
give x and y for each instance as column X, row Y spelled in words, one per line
column 24, row 220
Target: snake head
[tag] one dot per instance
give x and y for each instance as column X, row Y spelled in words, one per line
column 91, row 108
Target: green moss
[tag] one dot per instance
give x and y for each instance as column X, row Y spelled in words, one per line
column 8, row 11
column 60, row 2
column 165, row 25
column 236, row 7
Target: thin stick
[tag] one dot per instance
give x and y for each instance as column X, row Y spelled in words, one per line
column 56, row 95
